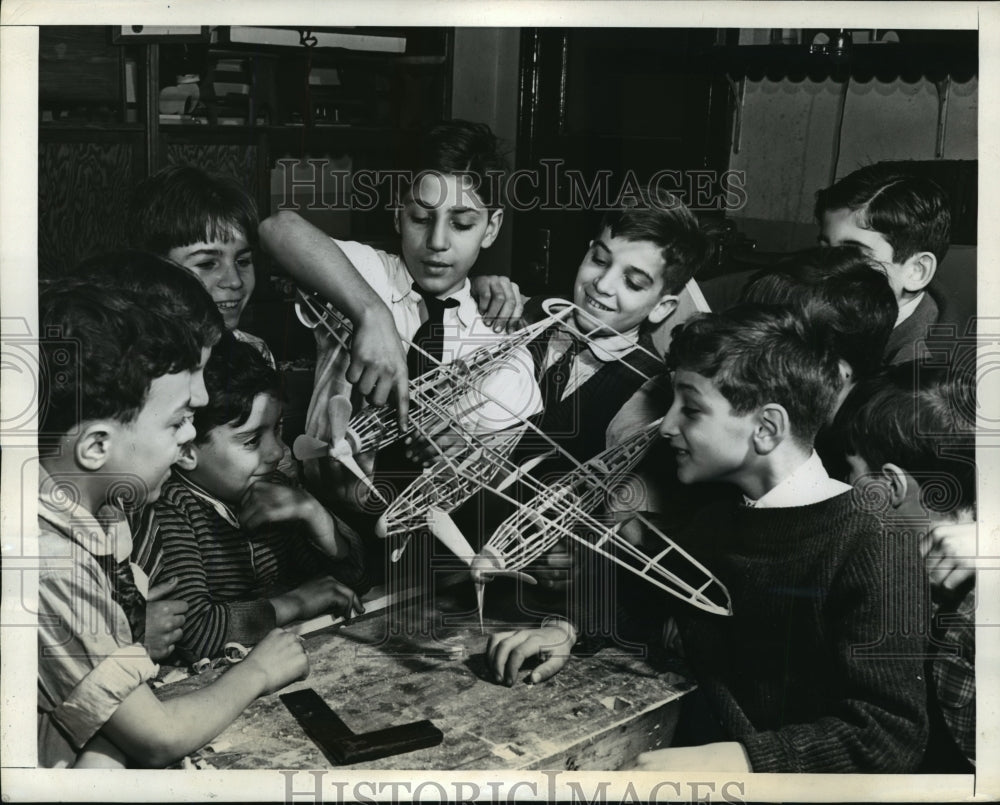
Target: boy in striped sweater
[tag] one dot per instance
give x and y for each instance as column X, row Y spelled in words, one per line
column 250, row 550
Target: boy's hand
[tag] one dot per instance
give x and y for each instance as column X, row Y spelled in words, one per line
column 378, row 362
column 721, row 756
column 164, row 620
column 949, row 551
column 279, row 659
column 507, row 651
column 266, row 503
column 499, row 300
column 315, row 597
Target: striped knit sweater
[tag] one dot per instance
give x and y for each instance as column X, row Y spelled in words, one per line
column 226, row 575
column 820, row 667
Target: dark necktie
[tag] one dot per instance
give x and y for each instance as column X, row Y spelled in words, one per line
column 557, row 375
column 429, row 336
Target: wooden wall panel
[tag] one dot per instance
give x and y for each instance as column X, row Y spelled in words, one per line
column 228, row 159
column 83, row 190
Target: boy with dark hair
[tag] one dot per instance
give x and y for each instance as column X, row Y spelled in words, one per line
column 446, row 213
column 639, row 261
column 219, row 510
column 208, row 225
column 786, row 683
column 909, row 438
column 904, row 223
column 114, row 419
column 184, row 299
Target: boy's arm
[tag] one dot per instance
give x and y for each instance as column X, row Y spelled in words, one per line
column 378, row 362
column 208, row 625
column 156, row 733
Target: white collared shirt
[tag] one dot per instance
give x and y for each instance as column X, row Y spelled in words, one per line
column 588, row 361
column 906, row 309
column 809, row 483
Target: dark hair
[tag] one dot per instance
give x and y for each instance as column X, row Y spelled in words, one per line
column 161, row 283
column 760, row 354
column 923, row 419
column 234, row 376
column 840, row 290
column 180, row 205
column 911, row 212
column 662, row 219
column 462, row 148
column 101, row 349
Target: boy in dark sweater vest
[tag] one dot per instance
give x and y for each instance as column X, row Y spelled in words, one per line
column 812, row 673
column 629, row 280
column 640, row 259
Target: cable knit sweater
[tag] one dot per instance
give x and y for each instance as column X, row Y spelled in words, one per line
column 820, row 667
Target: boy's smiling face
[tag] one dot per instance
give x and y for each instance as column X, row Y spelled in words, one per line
column 710, row 441
column 620, row 283
column 234, row 457
column 443, row 225
column 225, row 268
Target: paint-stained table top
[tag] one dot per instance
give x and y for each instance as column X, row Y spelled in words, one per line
column 425, row 659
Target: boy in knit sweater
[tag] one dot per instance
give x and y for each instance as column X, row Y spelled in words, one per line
column 909, row 438
column 811, row 673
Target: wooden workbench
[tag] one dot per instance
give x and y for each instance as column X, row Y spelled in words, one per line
column 426, row 659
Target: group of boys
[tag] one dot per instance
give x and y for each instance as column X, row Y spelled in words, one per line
column 165, row 482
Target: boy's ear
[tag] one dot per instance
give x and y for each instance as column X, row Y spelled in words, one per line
column 93, row 446
column 896, row 479
column 492, row 228
column 773, row 426
column 395, row 218
column 920, row 270
column 662, row 309
column 189, row 457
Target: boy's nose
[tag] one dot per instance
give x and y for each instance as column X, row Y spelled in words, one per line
column 231, row 278
column 668, row 427
column 437, row 237
column 604, row 283
column 275, row 450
